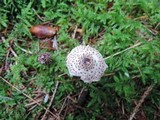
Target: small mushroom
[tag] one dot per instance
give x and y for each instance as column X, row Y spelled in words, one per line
column 45, row 58
column 43, row 31
column 87, row 63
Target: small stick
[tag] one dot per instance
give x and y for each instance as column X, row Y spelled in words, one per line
column 109, row 74
column 74, row 33
column 157, row 25
column 54, row 43
column 141, row 17
column 7, row 98
column 62, row 106
column 6, row 60
column 123, row 111
column 54, row 92
column 28, row 97
column 145, row 94
column 62, row 74
column 14, row 53
column 24, row 50
column 37, row 14
column 133, row 46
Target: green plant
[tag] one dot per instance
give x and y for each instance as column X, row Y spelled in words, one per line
column 126, row 33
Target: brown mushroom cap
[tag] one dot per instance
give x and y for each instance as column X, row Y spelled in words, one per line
column 87, row 63
column 43, row 31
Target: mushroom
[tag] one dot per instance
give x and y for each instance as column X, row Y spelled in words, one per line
column 43, row 31
column 45, row 58
column 87, row 63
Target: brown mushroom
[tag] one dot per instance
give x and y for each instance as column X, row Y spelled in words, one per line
column 43, row 31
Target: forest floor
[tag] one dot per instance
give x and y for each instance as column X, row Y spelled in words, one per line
column 126, row 33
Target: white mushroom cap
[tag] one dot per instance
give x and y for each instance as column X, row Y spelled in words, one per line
column 87, row 63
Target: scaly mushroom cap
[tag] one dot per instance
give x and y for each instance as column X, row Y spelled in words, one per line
column 87, row 63
column 45, row 58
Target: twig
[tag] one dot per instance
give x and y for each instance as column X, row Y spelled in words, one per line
column 157, row 25
column 141, row 17
column 6, row 61
column 6, row 98
column 62, row 74
column 74, row 33
column 28, row 97
column 54, row 92
column 109, row 74
column 133, row 46
column 145, row 94
column 32, row 107
column 62, row 106
column 123, row 111
column 14, row 53
column 37, row 14
column 34, row 102
column 54, row 43
column 24, row 50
